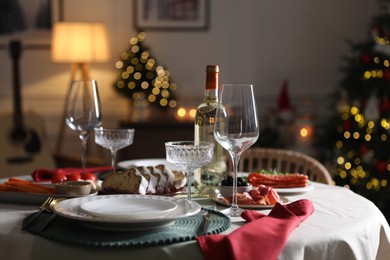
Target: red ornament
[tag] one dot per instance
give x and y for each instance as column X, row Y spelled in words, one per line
column 386, row 74
column 384, row 105
column 365, row 58
column 380, row 166
column 347, row 126
column 363, row 149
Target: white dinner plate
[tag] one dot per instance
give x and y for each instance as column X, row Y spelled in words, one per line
column 71, row 209
column 295, row 190
column 283, row 200
column 146, row 162
column 129, row 208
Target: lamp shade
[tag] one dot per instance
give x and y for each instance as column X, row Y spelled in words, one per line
column 79, row 42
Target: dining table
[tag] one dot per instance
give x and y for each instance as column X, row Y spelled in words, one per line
column 344, row 225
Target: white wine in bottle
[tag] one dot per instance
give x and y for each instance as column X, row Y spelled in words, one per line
column 213, row 173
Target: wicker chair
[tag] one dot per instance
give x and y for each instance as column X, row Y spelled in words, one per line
column 287, row 161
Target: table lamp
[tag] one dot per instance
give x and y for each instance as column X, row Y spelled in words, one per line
column 78, row 43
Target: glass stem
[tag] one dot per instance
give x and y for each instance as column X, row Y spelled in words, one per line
column 234, row 208
column 190, row 179
column 84, row 139
column 113, row 160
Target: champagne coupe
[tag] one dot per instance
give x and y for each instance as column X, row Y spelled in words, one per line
column 83, row 111
column 114, row 140
column 189, row 155
column 236, row 127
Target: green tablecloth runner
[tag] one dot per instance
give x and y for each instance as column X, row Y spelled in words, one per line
column 69, row 231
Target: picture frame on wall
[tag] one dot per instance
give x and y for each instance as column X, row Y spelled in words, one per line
column 171, row 15
column 29, row 22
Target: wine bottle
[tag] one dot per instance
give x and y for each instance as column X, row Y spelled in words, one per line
column 213, row 173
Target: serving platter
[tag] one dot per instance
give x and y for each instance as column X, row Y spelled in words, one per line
column 34, row 198
column 71, row 209
column 291, row 190
column 146, row 162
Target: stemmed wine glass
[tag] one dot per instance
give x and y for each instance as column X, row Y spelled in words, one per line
column 236, row 127
column 189, row 155
column 83, row 111
column 114, row 140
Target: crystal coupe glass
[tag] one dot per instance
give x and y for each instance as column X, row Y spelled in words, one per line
column 189, row 155
column 114, row 140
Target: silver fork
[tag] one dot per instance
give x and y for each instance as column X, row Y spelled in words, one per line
column 204, row 226
column 45, row 206
column 53, row 215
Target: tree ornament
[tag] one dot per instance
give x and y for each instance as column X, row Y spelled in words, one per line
column 366, row 58
column 347, row 125
column 386, row 74
column 385, row 105
column 380, row 166
column 363, row 149
column 371, row 111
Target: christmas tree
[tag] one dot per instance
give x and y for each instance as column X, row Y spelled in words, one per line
column 142, row 80
column 359, row 131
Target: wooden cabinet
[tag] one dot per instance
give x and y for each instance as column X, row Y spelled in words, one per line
column 149, row 138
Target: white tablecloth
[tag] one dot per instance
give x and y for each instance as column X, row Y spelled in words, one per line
column 343, row 226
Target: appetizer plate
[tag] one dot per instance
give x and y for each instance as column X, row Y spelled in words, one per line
column 146, row 162
column 283, row 200
column 128, row 208
column 34, row 198
column 71, row 209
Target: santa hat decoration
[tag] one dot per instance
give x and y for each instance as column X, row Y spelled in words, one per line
column 284, row 99
column 284, row 106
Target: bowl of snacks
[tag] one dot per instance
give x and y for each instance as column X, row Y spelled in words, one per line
column 226, row 186
column 73, row 188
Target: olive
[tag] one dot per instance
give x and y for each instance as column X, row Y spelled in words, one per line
column 224, row 183
column 229, row 182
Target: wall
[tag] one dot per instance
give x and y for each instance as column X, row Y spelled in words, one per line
column 256, row 41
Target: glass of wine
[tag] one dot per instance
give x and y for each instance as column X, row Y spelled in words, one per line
column 236, row 127
column 189, row 155
column 83, row 111
column 114, row 140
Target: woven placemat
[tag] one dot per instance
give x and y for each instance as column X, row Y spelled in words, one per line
column 69, row 231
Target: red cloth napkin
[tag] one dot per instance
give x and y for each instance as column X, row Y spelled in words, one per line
column 263, row 237
column 41, row 175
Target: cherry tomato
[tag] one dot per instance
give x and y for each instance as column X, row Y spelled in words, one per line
column 89, row 176
column 75, row 176
column 58, row 177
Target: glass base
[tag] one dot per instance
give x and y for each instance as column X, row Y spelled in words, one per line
column 207, row 191
column 233, row 212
